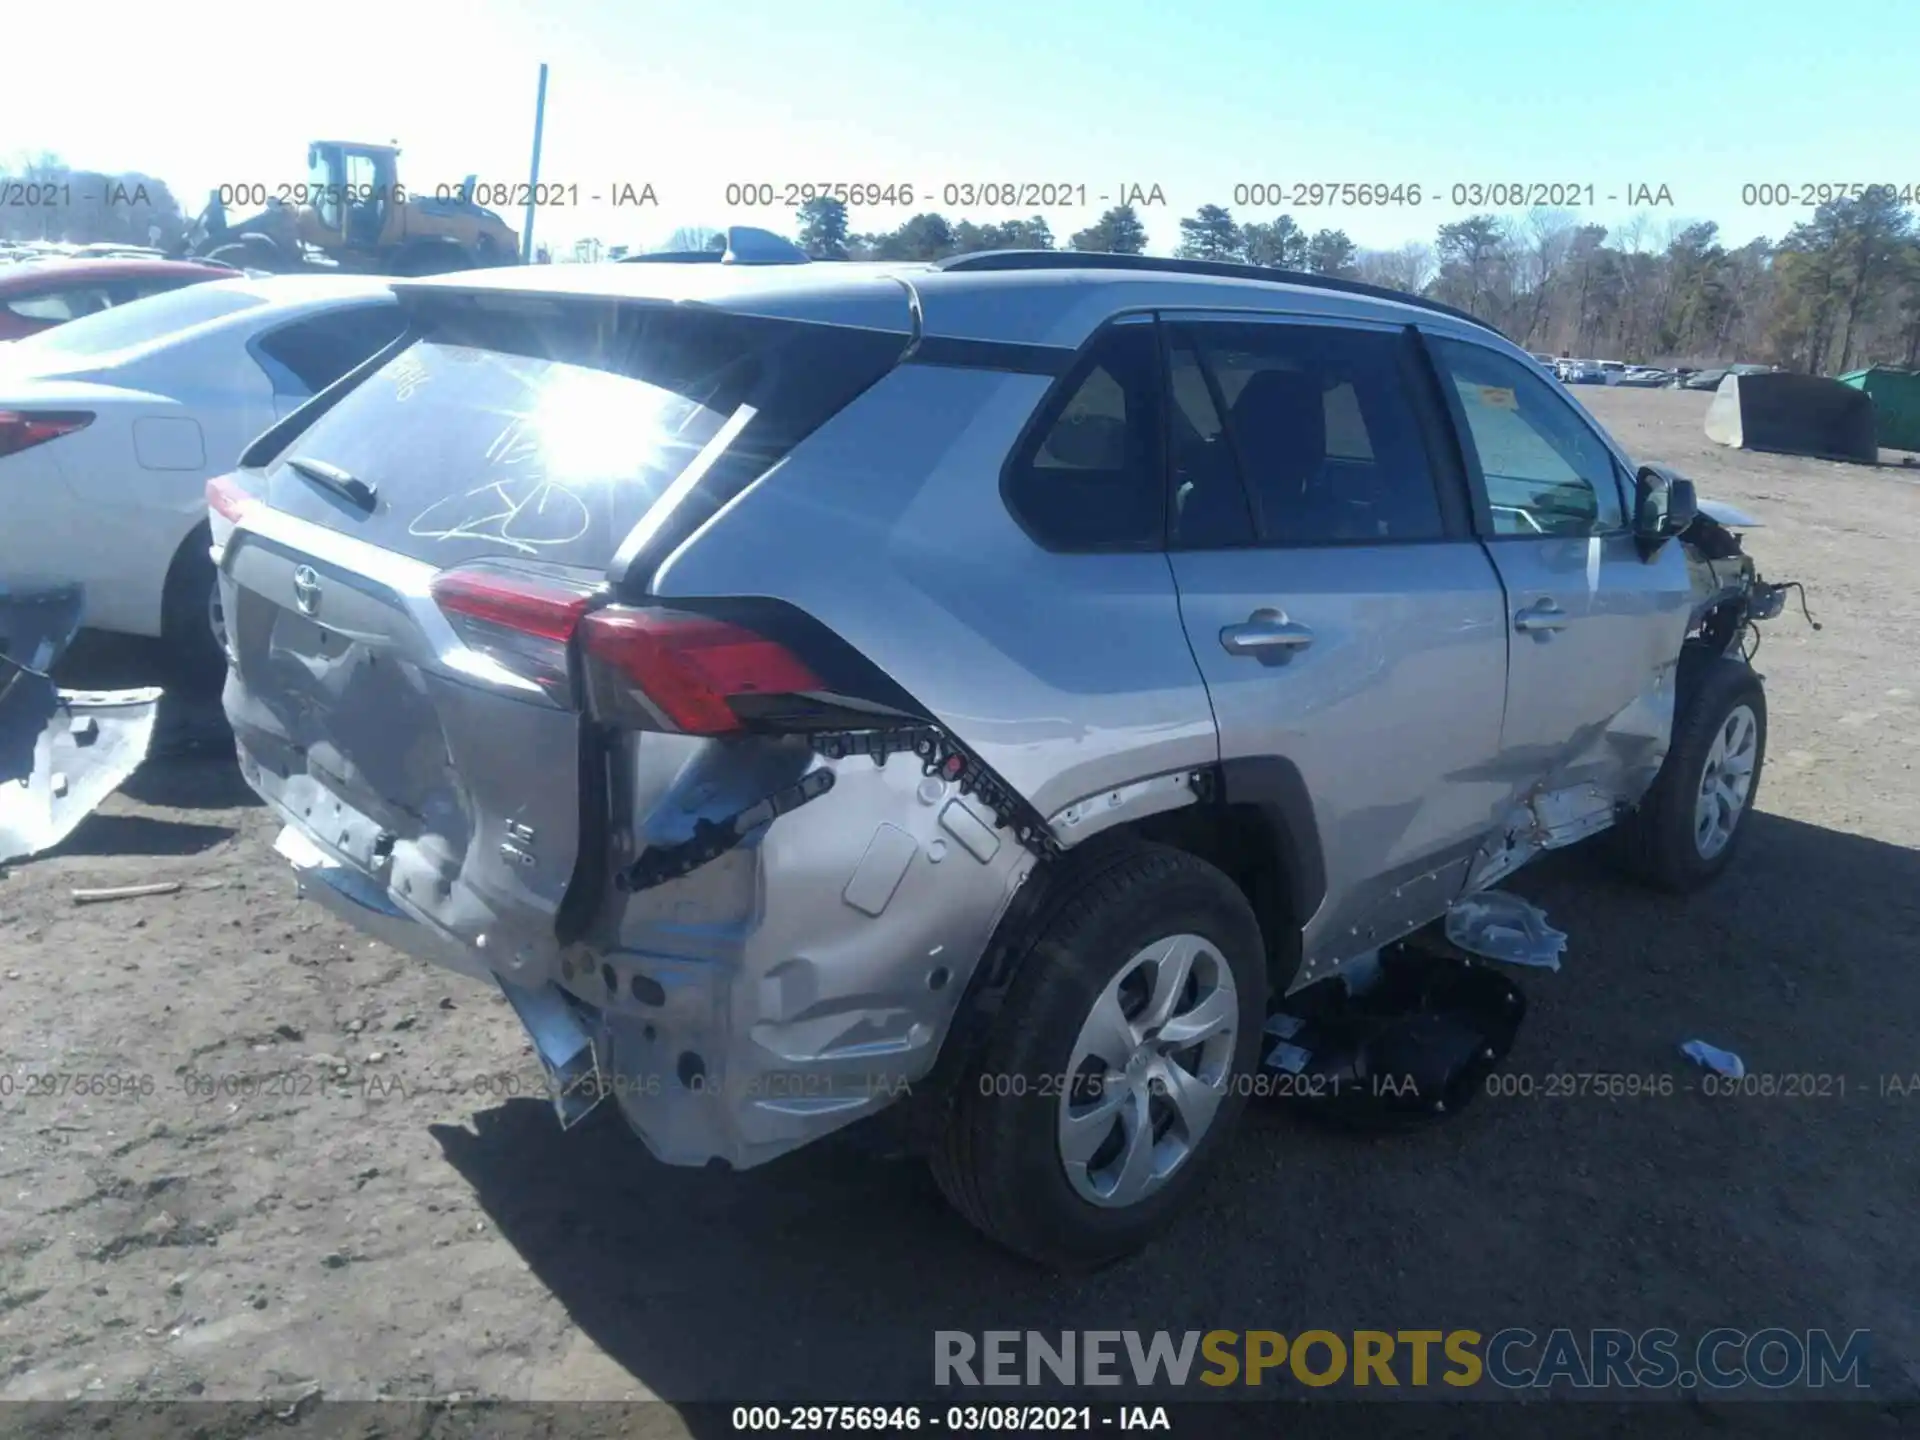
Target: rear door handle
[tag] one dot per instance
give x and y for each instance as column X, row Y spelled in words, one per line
column 1544, row 615
column 1265, row 633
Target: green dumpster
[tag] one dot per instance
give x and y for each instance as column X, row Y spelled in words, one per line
column 1896, row 403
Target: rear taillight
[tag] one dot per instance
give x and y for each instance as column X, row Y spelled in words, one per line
column 645, row 669
column 519, row 620
column 23, row 429
column 227, row 499
column 683, row 670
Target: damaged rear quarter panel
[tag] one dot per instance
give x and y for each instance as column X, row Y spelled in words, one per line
column 887, row 526
column 830, row 949
column 812, row 972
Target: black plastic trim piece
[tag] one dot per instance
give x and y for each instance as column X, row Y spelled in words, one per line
column 992, row 260
column 955, row 352
column 1273, row 785
column 587, row 887
column 941, row 754
column 1441, row 430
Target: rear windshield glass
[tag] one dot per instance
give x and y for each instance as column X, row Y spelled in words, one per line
column 139, row 321
column 480, row 452
column 480, row 442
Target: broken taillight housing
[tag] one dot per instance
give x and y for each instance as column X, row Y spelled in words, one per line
column 643, row 668
column 671, row 670
column 520, row 620
column 23, row 429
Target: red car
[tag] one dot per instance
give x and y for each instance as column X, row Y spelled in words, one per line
column 36, row 295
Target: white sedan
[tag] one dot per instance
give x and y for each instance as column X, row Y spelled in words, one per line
column 111, row 426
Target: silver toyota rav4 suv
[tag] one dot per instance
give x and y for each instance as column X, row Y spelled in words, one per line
column 993, row 683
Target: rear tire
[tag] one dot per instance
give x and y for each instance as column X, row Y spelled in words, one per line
column 1689, row 825
column 1150, row 951
column 188, row 607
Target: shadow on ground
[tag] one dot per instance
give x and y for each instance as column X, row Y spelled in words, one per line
column 190, row 721
column 825, row 1275
column 140, row 835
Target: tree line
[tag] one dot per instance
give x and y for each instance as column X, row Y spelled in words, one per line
column 1838, row 291
column 43, row 198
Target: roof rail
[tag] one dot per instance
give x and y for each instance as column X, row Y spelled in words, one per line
column 1167, row 265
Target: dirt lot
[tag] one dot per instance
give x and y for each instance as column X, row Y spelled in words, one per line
column 391, row 1229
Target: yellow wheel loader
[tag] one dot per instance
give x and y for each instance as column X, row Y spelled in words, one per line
column 352, row 213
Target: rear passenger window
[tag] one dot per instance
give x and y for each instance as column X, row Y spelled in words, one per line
column 1321, row 428
column 1090, row 476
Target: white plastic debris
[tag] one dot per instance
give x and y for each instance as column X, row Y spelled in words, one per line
column 1722, row 1062
column 1504, row 927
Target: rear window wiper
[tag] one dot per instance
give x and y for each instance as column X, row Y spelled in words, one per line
column 331, row 477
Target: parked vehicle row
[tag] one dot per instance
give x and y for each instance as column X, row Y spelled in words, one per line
column 37, row 295
column 111, row 425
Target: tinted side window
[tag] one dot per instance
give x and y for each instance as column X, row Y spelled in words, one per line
column 1323, row 425
column 1089, row 477
column 319, row 351
column 1545, row 470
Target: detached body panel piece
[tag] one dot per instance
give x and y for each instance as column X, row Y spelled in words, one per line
column 61, row 751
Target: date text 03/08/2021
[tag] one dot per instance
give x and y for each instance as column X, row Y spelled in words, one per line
column 952, row 1419
column 546, row 194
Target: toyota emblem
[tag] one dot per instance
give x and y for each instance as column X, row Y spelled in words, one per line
column 306, row 589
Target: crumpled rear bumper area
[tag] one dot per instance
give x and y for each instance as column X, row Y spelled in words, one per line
column 800, row 981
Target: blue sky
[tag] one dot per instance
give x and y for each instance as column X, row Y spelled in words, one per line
column 1701, row 96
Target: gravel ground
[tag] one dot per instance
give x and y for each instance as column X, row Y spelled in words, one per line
column 356, row 1211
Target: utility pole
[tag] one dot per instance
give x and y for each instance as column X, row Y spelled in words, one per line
column 533, row 181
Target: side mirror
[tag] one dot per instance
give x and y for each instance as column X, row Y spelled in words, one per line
column 1666, row 504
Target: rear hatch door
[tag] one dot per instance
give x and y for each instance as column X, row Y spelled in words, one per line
column 405, row 569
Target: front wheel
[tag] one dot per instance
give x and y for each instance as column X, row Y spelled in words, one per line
column 1112, row 1077
column 1688, row 826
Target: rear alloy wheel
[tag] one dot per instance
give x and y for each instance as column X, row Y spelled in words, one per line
column 1109, row 1082
column 1688, row 827
column 1149, row 1070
